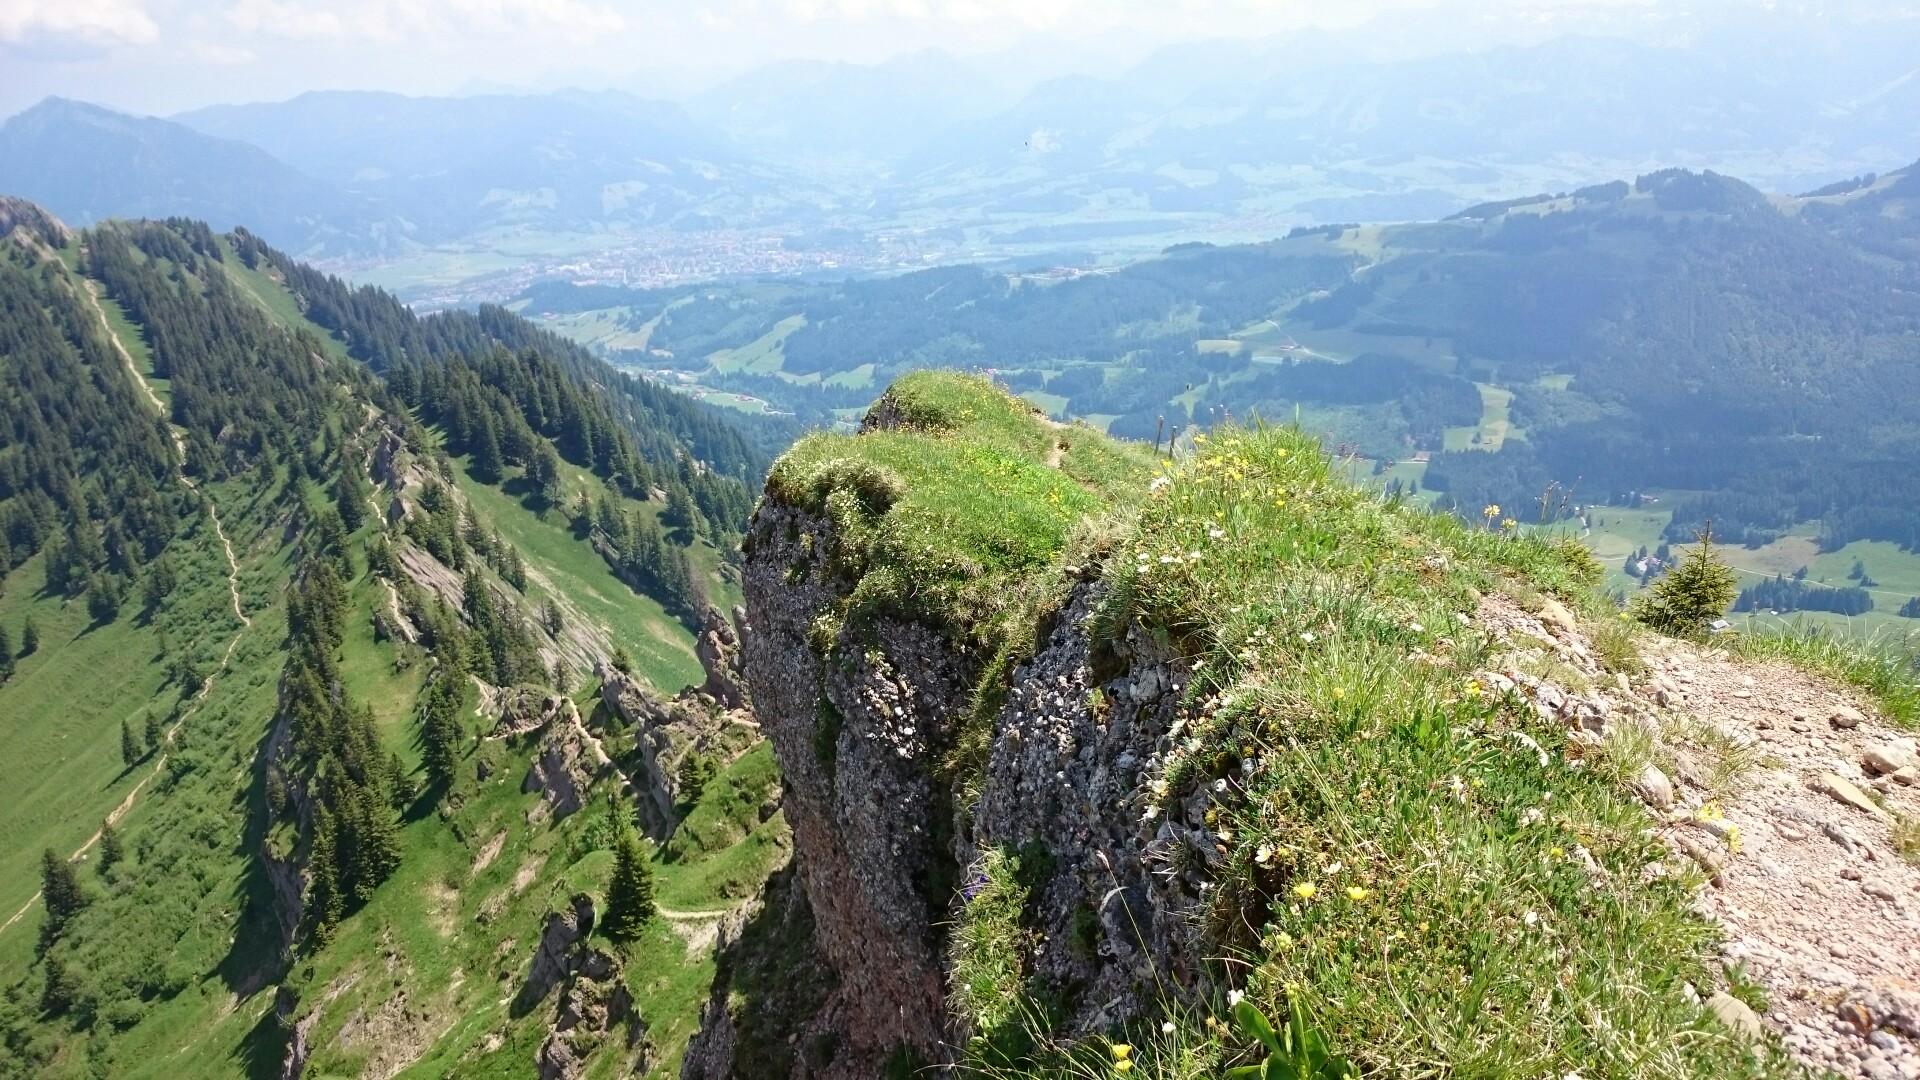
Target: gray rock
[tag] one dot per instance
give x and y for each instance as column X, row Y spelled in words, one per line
column 1843, row 791
column 1888, row 758
column 1846, row 717
column 1653, row 786
column 1735, row 1014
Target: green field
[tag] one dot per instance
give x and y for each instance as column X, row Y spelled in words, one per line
column 1622, row 531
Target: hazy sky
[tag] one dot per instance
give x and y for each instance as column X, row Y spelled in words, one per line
column 160, row 56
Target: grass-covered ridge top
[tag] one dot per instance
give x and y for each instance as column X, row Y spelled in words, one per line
column 957, row 499
column 1444, row 880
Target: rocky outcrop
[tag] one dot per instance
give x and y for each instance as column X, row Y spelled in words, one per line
column 719, row 651
column 766, row 1015
column 665, row 733
column 887, row 854
column 568, row 761
column 523, row 710
column 592, row 1003
column 26, row 221
column 293, row 1063
column 553, row 957
column 859, row 740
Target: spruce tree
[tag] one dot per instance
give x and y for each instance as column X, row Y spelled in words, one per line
column 325, row 904
column 57, row 996
column 60, row 892
column 29, row 638
column 630, row 892
column 350, row 498
column 130, row 749
column 1686, row 600
column 440, row 728
column 111, row 852
column 6, row 656
column 153, row 733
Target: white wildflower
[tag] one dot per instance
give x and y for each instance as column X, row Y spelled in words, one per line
column 1166, row 1027
column 1530, row 918
column 1307, row 636
column 1220, row 784
column 1217, row 534
column 1233, row 998
column 1149, row 813
column 1159, row 484
column 1264, row 855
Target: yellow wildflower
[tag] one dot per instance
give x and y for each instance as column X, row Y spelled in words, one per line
column 1305, row 890
column 1473, row 687
column 1356, row 894
column 1490, row 511
column 1556, row 853
column 1121, row 1051
column 1199, row 438
column 1339, row 692
column 1124, row 1065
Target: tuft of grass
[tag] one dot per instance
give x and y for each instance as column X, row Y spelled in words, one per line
column 1750, row 991
column 989, row 947
column 1616, row 646
column 1886, row 668
column 1906, row 839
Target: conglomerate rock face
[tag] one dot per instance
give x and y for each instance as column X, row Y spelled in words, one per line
column 858, row 740
column 888, row 854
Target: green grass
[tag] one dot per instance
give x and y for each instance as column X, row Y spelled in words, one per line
column 722, row 851
column 175, row 909
column 1383, row 868
column 989, row 947
column 63, row 708
column 274, row 298
column 962, row 506
column 764, row 355
column 662, row 649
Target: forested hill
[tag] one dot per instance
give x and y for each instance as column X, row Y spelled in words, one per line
column 380, row 330
column 294, row 644
column 1750, row 358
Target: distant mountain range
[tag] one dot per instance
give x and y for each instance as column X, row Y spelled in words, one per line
column 1220, row 140
column 86, row 164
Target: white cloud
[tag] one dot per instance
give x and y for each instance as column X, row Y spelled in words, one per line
column 215, row 54
column 92, row 22
column 391, row 21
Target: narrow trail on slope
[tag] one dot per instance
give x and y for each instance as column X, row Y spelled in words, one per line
column 233, row 594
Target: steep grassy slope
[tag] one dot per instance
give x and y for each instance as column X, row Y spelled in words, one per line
column 171, row 963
